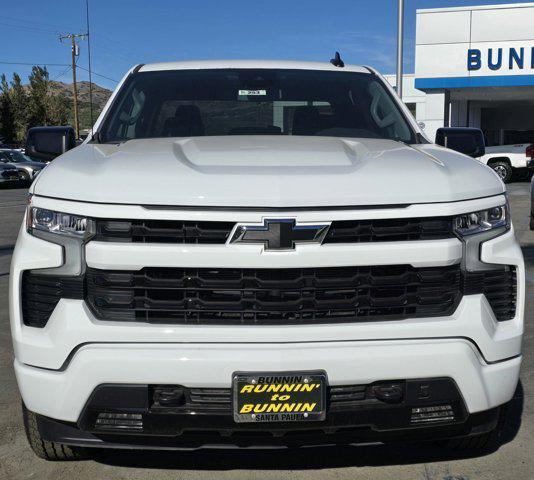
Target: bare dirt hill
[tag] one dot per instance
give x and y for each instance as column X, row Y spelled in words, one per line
column 100, row 94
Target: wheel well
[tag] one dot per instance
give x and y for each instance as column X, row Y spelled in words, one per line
column 499, row 159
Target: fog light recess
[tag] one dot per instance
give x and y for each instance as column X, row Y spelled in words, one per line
column 119, row 421
column 438, row 413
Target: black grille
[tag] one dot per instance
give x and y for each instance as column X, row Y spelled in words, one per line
column 347, row 396
column 210, row 232
column 269, row 296
column 273, row 296
column 132, row 414
column 162, row 231
column 180, row 399
column 390, row 230
column 41, row 293
column 499, row 287
column 188, row 400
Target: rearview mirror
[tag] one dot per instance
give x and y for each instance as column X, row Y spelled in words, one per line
column 47, row 143
column 469, row 141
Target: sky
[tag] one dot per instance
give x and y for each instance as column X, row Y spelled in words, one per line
column 128, row 32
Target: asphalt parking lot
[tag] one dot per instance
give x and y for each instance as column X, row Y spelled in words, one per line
column 514, row 459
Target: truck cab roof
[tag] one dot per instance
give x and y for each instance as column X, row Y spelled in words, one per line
column 277, row 64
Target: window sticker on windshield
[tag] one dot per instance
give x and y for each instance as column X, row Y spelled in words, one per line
column 252, row 92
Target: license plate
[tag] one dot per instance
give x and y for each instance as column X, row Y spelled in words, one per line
column 279, row 397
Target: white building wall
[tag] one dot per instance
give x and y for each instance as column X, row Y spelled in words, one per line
column 502, row 23
column 446, row 36
column 445, row 39
column 409, row 93
column 429, row 115
column 445, row 27
column 434, row 113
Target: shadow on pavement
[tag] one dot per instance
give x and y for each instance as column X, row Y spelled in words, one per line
column 528, row 255
column 15, row 186
column 6, row 249
column 309, row 458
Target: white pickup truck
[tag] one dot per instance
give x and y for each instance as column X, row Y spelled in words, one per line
column 262, row 253
column 508, row 160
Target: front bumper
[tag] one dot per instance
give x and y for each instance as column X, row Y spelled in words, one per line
column 62, row 394
column 60, row 365
column 216, row 432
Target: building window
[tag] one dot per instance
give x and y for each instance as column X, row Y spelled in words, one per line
column 412, row 108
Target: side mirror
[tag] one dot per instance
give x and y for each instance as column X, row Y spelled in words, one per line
column 469, row 141
column 47, row 143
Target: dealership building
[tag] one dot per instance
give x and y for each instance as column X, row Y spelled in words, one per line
column 474, row 66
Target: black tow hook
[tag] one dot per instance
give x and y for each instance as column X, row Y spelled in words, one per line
column 389, row 393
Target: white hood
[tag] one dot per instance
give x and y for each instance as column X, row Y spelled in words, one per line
column 265, row 171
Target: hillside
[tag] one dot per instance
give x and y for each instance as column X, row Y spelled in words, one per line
column 100, row 94
column 100, row 97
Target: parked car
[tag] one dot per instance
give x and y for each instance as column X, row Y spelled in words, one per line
column 9, row 175
column 305, row 268
column 509, row 160
column 28, row 168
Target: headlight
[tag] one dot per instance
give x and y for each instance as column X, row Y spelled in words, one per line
column 482, row 221
column 58, row 222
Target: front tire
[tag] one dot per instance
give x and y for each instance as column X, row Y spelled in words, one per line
column 503, row 169
column 44, row 449
column 25, row 176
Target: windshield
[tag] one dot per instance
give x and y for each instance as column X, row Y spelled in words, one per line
column 13, row 156
column 189, row 103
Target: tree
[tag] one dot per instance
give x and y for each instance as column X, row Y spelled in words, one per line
column 7, row 131
column 44, row 107
column 57, row 110
column 38, row 97
column 19, row 102
column 23, row 107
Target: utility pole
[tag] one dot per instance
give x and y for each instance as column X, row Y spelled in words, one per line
column 89, row 61
column 400, row 39
column 74, row 53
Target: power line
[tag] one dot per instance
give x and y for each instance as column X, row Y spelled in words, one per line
column 29, row 28
column 37, row 63
column 123, row 46
column 99, row 75
column 61, row 74
column 58, row 65
column 39, row 24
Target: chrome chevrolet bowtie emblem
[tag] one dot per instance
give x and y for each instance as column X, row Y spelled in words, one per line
column 279, row 234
